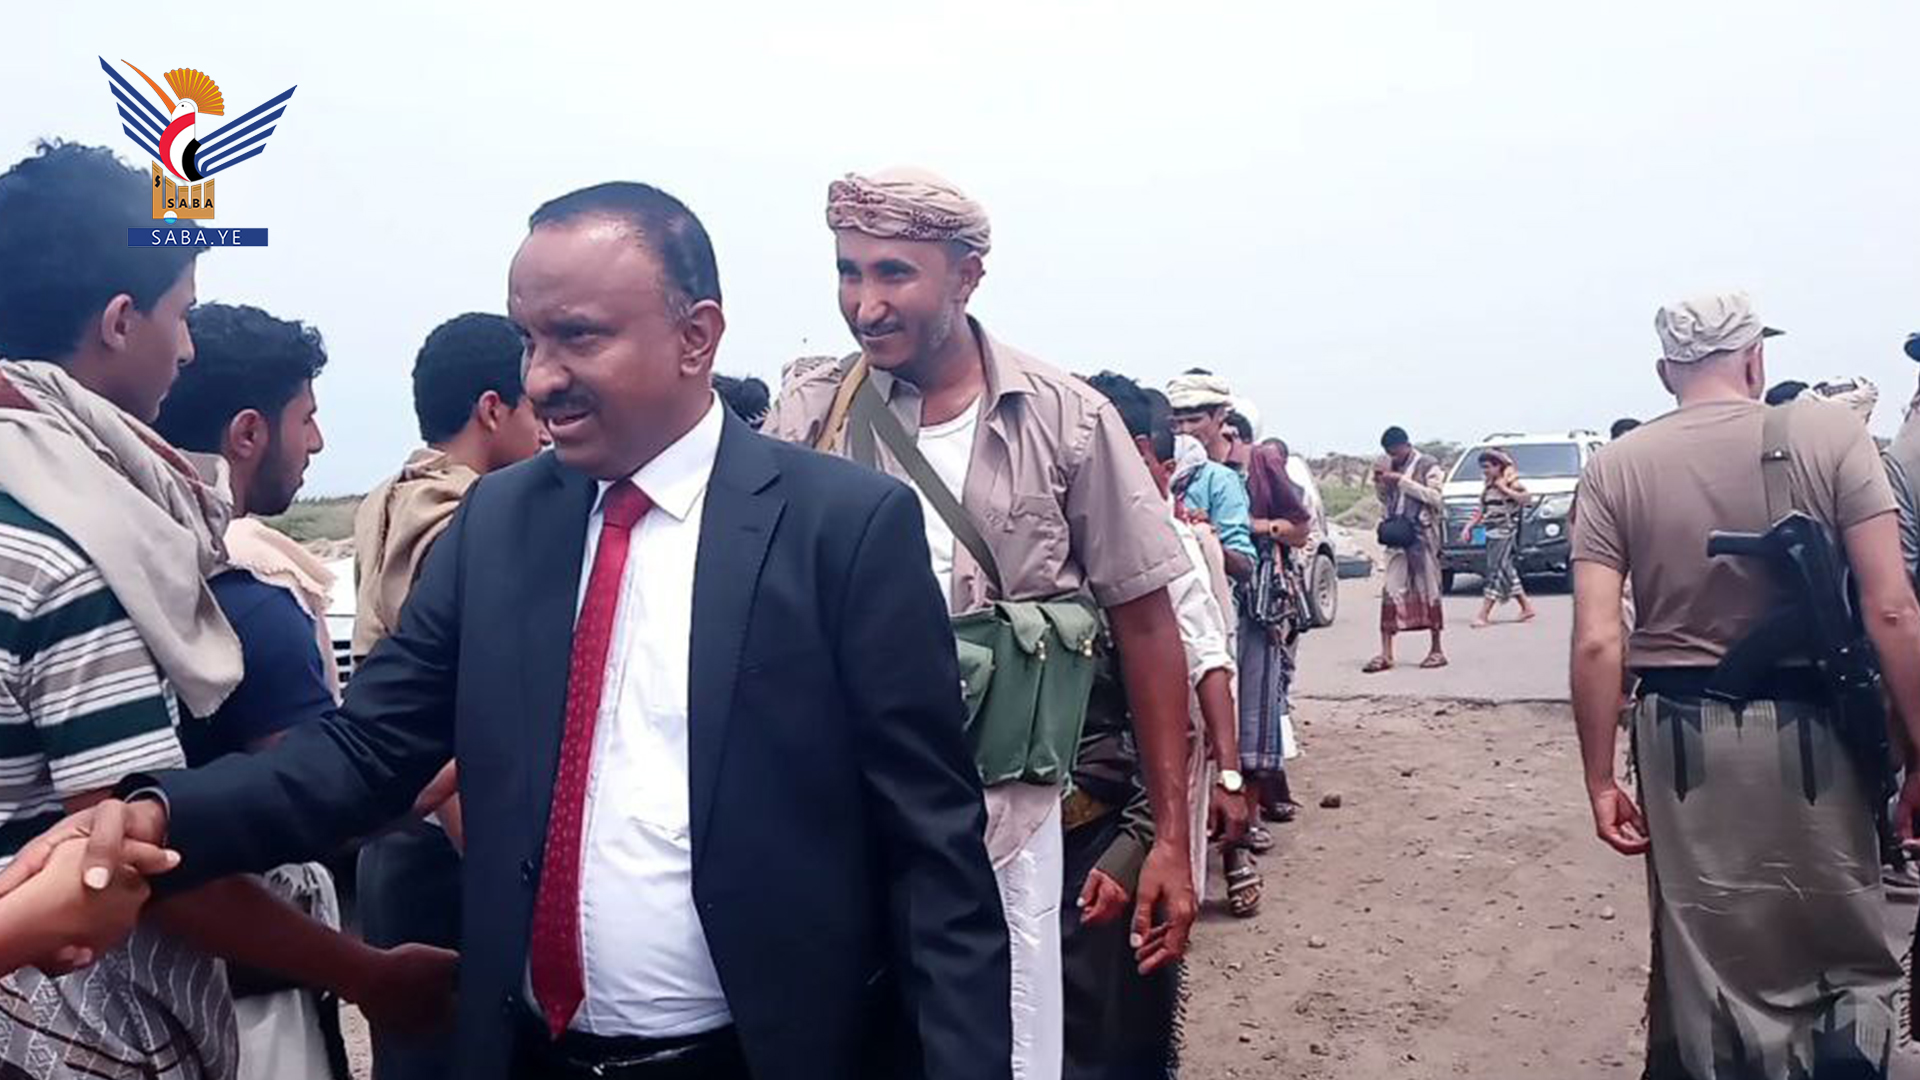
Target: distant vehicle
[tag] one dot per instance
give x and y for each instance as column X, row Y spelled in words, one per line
column 340, row 612
column 1319, row 563
column 1550, row 467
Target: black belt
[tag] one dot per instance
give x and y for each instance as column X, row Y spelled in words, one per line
column 577, row 1055
column 1781, row 684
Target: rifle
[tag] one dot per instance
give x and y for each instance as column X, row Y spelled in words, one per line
column 1816, row 624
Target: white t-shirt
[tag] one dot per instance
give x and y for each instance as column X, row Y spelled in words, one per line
column 948, row 448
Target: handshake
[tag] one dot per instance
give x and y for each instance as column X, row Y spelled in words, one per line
column 76, row 892
column 79, row 888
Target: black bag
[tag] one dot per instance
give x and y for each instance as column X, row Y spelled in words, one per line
column 1399, row 532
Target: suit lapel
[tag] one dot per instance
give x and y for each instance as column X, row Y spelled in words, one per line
column 736, row 529
column 552, row 557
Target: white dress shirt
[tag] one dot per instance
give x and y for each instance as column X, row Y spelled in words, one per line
column 648, row 971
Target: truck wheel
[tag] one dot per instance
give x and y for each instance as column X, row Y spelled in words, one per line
column 1323, row 590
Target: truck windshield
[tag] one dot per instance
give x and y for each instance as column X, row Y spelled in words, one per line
column 1534, row 460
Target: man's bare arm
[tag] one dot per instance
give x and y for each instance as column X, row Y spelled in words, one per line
column 1892, row 618
column 1153, row 667
column 238, row 919
column 1599, row 651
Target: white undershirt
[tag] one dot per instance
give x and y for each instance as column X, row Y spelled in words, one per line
column 948, row 448
column 644, row 952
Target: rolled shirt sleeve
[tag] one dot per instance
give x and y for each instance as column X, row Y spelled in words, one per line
column 1120, row 532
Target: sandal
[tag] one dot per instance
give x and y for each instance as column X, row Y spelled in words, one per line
column 1258, row 840
column 1280, row 813
column 1436, row 660
column 1377, row 665
column 1243, row 887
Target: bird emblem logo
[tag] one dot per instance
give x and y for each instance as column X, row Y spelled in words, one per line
column 185, row 162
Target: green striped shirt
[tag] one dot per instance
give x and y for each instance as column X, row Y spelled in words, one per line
column 82, row 703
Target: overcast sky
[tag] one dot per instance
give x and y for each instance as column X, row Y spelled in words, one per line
column 1456, row 216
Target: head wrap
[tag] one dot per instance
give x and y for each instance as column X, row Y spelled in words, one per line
column 1857, row 393
column 1199, row 392
column 907, row 204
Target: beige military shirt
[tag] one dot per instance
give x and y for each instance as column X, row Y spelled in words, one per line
column 1055, row 485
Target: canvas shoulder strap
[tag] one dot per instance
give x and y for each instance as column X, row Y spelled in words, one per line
column 870, row 418
column 833, row 431
column 1776, row 462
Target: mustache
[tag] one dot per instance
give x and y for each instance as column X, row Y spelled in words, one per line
column 884, row 326
column 566, row 404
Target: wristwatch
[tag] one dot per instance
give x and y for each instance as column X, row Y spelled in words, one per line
column 1232, row 782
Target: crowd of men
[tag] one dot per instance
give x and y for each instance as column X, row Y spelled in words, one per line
column 874, row 727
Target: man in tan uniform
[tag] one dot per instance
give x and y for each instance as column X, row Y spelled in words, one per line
column 1048, row 474
column 1770, row 957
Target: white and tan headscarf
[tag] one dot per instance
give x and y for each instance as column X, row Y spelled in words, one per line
column 908, row 204
column 67, row 454
column 1857, row 393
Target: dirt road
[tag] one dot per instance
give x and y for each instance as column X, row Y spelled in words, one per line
column 1453, row 917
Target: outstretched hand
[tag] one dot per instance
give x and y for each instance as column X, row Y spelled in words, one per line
column 409, row 990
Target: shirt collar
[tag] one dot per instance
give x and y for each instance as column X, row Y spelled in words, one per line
column 676, row 476
column 1004, row 375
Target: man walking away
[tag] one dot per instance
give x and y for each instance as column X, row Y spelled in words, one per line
column 1770, row 954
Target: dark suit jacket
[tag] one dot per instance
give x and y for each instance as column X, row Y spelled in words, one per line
column 839, row 869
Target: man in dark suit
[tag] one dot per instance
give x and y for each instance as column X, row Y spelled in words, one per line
column 721, row 820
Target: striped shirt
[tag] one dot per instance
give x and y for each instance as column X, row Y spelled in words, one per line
column 82, row 704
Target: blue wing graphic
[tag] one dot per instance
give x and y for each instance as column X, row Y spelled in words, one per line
column 225, row 148
column 142, row 122
column 243, row 138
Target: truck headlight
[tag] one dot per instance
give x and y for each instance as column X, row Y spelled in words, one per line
column 1555, row 508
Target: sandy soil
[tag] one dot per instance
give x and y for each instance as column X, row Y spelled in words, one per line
column 1453, row 917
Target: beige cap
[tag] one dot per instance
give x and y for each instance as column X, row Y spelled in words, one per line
column 1189, row 392
column 1692, row 330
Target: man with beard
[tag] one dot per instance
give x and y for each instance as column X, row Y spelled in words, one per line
column 706, row 683
column 1041, row 468
column 249, row 399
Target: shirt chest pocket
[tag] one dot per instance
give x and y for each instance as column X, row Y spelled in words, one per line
column 1033, row 546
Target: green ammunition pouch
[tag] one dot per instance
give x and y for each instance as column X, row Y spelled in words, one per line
column 1027, row 666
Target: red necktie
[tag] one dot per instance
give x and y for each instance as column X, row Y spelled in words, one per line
column 559, row 981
